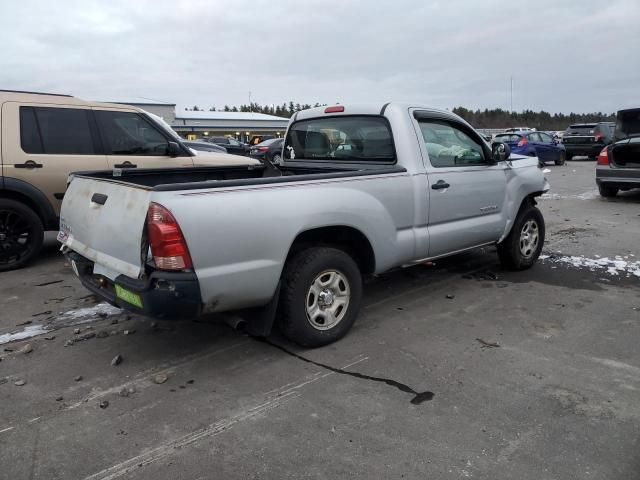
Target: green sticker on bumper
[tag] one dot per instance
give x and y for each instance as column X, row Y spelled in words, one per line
column 129, row 297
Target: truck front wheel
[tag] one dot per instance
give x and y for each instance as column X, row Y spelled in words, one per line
column 523, row 245
column 320, row 297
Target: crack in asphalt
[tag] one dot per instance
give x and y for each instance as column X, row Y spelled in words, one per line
column 419, row 397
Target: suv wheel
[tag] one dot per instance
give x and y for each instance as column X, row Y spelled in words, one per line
column 607, row 192
column 21, row 234
column 320, row 297
column 523, row 245
column 561, row 159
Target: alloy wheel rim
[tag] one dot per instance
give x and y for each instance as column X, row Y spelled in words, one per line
column 16, row 237
column 529, row 238
column 327, row 299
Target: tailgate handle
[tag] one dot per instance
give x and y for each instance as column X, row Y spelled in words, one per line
column 99, row 198
column 125, row 165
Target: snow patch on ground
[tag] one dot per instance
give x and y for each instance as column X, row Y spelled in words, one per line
column 27, row 332
column 582, row 196
column 89, row 313
column 617, row 265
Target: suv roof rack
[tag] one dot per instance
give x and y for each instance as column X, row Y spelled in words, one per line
column 36, row 93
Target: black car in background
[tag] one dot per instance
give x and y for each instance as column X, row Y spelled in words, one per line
column 587, row 139
column 201, row 146
column 256, row 139
column 270, row 149
column 618, row 165
column 232, row 145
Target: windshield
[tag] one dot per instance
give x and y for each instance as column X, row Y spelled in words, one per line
column 507, row 138
column 354, row 138
column 165, row 126
column 581, row 130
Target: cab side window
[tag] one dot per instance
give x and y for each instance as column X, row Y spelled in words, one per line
column 127, row 133
column 448, row 146
column 56, row 131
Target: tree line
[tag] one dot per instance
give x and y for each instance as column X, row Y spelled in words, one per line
column 498, row 118
column 286, row 110
column 487, row 118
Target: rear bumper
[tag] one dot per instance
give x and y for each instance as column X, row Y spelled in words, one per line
column 589, row 150
column 165, row 295
column 618, row 177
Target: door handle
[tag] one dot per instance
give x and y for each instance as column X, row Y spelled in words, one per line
column 29, row 165
column 439, row 185
column 125, row 165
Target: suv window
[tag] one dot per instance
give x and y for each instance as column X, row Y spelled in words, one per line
column 534, row 137
column 581, row 130
column 354, row 139
column 448, row 146
column 233, row 141
column 56, row 131
column 127, row 133
column 223, row 140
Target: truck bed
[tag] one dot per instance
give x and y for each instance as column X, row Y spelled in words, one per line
column 172, row 179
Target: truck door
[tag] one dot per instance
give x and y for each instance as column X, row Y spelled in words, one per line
column 42, row 145
column 132, row 141
column 466, row 191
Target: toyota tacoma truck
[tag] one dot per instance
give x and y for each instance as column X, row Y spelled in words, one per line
column 361, row 190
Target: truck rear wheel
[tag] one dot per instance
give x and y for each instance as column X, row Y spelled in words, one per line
column 607, row 191
column 320, row 297
column 21, row 234
column 523, row 245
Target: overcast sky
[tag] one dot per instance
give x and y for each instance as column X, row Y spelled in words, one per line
column 564, row 55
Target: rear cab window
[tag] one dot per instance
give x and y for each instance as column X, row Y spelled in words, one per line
column 349, row 139
column 581, row 130
column 508, row 138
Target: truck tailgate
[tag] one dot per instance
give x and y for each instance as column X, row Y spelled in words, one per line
column 104, row 222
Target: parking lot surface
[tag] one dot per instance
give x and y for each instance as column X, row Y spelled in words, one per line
column 453, row 370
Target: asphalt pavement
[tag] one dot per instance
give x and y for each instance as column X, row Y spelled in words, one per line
column 456, row 370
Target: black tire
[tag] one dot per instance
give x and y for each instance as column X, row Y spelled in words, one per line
column 607, row 191
column 297, row 296
column 21, row 234
column 561, row 160
column 511, row 250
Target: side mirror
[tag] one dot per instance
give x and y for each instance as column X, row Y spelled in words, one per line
column 173, row 149
column 500, row 152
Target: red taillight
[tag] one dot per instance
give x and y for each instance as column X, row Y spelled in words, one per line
column 522, row 142
column 168, row 246
column 603, row 158
column 334, row 109
column 263, row 149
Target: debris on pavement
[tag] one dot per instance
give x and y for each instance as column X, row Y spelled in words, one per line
column 50, row 337
column 129, row 332
column 19, row 383
column 104, row 404
column 26, row 349
column 485, row 344
column 449, row 296
column 68, row 343
column 117, row 360
column 76, row 331
column 59, row 398
column 78, row 378
column 160, row 378
column 46, row 312
column 48, row 283
column 27, row 322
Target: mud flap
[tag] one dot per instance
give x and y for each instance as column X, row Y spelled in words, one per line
column 260, row 320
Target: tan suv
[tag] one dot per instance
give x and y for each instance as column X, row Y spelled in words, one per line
column 45, row 137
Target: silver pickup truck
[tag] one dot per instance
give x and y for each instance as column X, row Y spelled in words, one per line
column 361, row 190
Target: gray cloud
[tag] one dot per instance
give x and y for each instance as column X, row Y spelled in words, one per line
column 578, row 56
